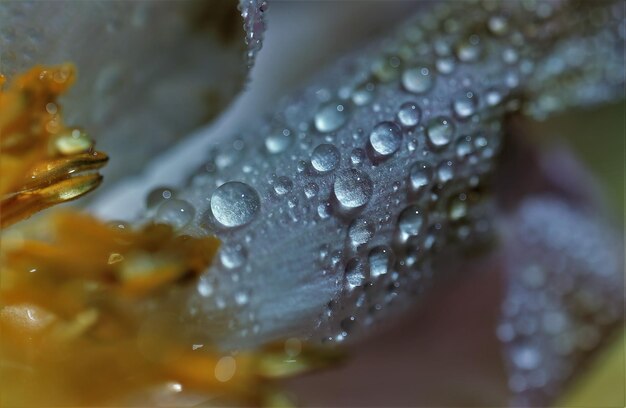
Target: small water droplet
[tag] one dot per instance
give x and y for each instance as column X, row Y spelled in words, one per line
column 282, row 185
column 445, row 172
column 330, row 117
column 177, row 213
column 355, row 273
column 357, row 156
column 278, row 140
column 363, row 94
column 418, row 79
column 159, row 195
column 469, row 50
column 420, row 176
column 353, row 188
column 465, row 106
column 233, row 256
column 380, row 259
column 311, row 190
column 411, row 221
column 360, row 232
column 440, row 131
column 385, row 139
column 325, row 158
column 409, row 114
column 235, row 204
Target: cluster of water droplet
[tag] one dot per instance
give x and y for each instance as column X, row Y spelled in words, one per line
column 565, row 292
column 336, row 207
column 252, row 12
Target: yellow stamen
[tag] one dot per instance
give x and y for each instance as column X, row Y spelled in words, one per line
column 42, row 161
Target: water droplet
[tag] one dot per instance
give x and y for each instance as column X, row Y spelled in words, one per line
column 445, row 65
column 325, row 158
column 278, row 141
column 347, row 325
column 363, row 94
column 411, row 221
column 283, row 185
column 355, row 273
column 225, row 368
column 357, row 156
column 409, row 114
column 445, row 171
column 440, row 131
column 418, row 80
column 457, row 209
column 469, row 50
column 353, row 188
column 233, row 256
column 177, row 213
column 360, row 231
column 380, row 259
column 493, row 97
column 330, row 117
column 498, row 25
column 311, row 190
column 420, row 176
column 385, row 139
column 235, row 204
column 159, row 195
column 465, row 106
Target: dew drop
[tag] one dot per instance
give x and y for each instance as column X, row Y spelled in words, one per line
column 363, row 94
column 380, row 259
column 469, row 50
column 411, row 221
column 330, row 117
column 233, row 256
column 409, row 114
column 311, row 190
column 418, row 80
column 385, row 139
column 357, row 156
column 353, row 188
column 465, row 106
column 445, row 172
column 234, row 204
column 440, row 131
column 283, row 185
column 420, row 176
column 355, row 273
column 159, row 195
column 177, row 213
column 360, row 232
column 278, row 141
column 325, row 158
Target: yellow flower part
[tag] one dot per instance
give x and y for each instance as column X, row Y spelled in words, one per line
column 42, row 161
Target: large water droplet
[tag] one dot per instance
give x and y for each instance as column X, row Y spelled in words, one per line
column 440, row 131
column 177, row 213
column 465, row 106
column 418, row 80
column 278, row 140
column 411, row 221
column 330, row 117
column 235, row 204
column 360, row 231
column 325, row 158
column 420, row 176
column 409, row 114
column 380, row 259
column 353, row 188
column 385, row 139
